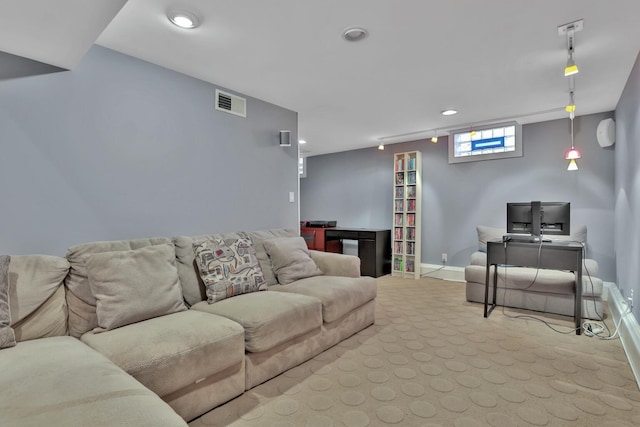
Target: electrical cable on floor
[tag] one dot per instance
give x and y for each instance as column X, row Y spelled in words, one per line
column 588, row 327
column 594, row 329
column 432, row 271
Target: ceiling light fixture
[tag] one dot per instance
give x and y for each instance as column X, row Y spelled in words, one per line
column 354, row 34
column 302, row 141
column 573, row 153
column 571, row 106
column 569, row 31
column 449, row 112
column 183, row 19
column 571, row 68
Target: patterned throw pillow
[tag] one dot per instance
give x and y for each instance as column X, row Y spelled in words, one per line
column 228, row 267
column 7, row 336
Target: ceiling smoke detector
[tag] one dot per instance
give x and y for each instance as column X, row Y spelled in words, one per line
column 354, row 34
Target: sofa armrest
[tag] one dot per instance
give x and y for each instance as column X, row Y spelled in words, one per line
column 333, row 264
column 479, row 258
column 590, row 267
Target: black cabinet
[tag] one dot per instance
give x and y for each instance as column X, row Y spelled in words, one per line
column 374, row 248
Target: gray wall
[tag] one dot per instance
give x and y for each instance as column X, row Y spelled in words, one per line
column 355, row 188
column 627, row 188
column 119, row 148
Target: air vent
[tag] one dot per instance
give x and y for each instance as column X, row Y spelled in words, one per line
column 231, row 103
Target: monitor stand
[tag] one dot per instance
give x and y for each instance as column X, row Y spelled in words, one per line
column 536, row 220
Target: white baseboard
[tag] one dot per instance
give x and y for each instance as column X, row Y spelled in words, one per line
column 629, row 328
column 454, row 274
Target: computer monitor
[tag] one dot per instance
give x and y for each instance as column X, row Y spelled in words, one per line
column 539, row 218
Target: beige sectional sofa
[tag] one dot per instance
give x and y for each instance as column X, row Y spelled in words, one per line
column 550, row 291
column 188, row 356
column 51, row 379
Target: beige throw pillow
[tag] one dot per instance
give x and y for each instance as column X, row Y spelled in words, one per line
column 290, row 259
column 228, row 267
column 136, row 285
column 7, row 336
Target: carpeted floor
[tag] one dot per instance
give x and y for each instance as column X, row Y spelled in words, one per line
column 431, row 359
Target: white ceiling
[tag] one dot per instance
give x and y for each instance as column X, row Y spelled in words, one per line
column 491, row 60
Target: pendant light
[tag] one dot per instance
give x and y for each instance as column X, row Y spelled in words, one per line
column 570, row 70
column 572, row 154
column 571, row 106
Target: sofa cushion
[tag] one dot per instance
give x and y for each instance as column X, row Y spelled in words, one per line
column 37, row 296
column 269, row 318
column 547, row 281
column 192, row 285
column 7, row 336
column 488, row 233
column 339, row 295
column 61, row 381
column 290, row 259
column 589, row 266
column 131, row 286
column 82, row 306
column 228, row 267
column 171, row 352
column 578, row 234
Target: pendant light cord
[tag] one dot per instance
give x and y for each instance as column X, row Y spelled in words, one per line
column 572, row 147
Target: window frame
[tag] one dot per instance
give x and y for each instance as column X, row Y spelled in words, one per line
column 518, row 152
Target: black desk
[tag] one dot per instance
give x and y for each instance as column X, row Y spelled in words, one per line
column 374, row 248
column 554, row 256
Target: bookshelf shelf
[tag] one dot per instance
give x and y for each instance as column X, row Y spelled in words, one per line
column 407, row 192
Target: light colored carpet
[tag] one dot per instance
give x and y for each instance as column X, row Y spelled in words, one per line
column 432, row 359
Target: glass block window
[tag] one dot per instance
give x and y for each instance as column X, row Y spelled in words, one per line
column 485, row 143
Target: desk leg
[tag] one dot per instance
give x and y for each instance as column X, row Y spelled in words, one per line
column 487, row 311
column 578, row 302
column 367, row 255
column 495, row 287
column 486, row 291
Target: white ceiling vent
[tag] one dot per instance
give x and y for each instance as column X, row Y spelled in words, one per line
column 231, row 103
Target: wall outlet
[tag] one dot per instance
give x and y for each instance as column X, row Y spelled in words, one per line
column 444, row 258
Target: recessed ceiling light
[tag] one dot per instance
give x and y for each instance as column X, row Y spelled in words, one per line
column 183, row 19
column 354, row 34
column 302, row 141
column 449, row 112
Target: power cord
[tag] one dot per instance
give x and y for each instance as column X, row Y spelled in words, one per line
column 432, row 271
column 594, row 329
column 590, row 328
